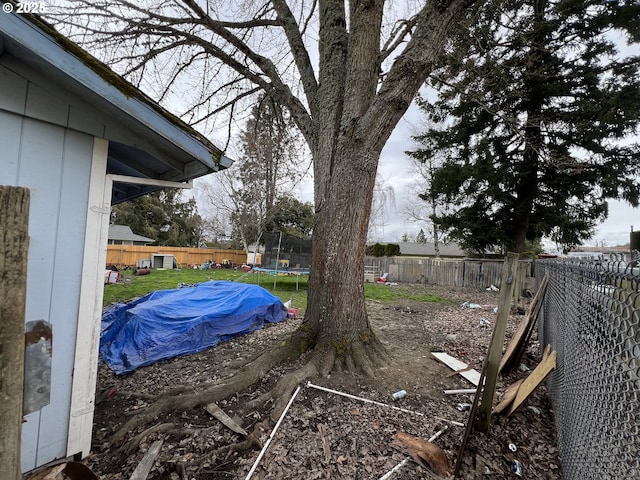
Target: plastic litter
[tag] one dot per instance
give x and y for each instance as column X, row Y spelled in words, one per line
column 399, row 394
column 463, row 407
column 516, row 467
column 512, row 447
column 484, row 322
column 471, row 305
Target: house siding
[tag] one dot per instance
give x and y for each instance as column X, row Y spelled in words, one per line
column 57, row 221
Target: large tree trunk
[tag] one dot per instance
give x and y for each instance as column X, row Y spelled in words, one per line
column 336, row 314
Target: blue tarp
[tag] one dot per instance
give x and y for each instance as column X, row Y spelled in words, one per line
column 168, row 323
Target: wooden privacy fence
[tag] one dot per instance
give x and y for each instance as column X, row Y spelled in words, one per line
column 122, row 255
column 453, row 272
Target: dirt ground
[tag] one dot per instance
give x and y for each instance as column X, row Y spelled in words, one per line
column 325, row 435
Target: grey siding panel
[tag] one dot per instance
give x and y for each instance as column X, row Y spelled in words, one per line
column 67, row 274
column 84, row 119
column 13, row 93
column 54, row 163
column 50, row 103
column 40, row 141
column 10, row 131
column 45, row 106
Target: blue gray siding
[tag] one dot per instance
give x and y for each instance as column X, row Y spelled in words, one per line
column 54, row 162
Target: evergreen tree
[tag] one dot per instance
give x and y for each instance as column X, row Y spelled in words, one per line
column 162, row 215
column 534, row 118
column 421, row 237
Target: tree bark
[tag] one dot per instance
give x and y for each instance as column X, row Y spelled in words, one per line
column 356, row 117
column 336, row 313
column 14, row 246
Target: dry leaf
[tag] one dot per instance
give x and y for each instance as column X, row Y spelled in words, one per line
column 423, row 452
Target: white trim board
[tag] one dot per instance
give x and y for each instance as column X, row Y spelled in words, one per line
column 150, row 181
column 91, row 293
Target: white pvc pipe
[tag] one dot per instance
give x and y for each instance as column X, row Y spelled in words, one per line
column 460, row 390
column 387, row 475
column 273, row 432
column 353, row 397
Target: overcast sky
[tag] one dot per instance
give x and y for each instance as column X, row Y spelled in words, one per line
column 395, row 169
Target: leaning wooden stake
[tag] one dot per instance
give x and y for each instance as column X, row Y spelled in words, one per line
column 14, row 247
column 490, row 360
column 509, row 273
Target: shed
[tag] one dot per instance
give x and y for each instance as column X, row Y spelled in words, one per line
column 80, row 138
column 162, row 260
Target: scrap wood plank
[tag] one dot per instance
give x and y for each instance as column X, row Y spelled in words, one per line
column 508, row 397
column 518, row 343
column 225, row 419
column 460, row 367
column 144, row 467
column 544, row 368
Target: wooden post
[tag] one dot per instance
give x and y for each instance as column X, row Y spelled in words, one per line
column 14, row 247
column 509, row 280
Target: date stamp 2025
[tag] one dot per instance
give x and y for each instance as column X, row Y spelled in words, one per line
column 25, row 7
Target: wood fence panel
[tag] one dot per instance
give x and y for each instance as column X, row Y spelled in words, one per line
column 453, row 272
column 122, row 255
column 473, row 275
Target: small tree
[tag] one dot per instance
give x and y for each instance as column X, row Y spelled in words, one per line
column 378, row 250
column 391, row 249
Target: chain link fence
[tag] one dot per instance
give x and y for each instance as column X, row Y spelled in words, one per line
column 591, row 317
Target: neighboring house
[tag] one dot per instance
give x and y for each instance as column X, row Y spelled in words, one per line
column 122, row 235
column 428, row 249
column 414, row 249
column 80, row 139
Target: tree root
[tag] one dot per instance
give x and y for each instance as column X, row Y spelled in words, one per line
column 363, row 356
column 183, row 398
column 134, row 443
column 251, row 442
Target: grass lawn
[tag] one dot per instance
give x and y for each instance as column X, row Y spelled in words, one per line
column 285, row 286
